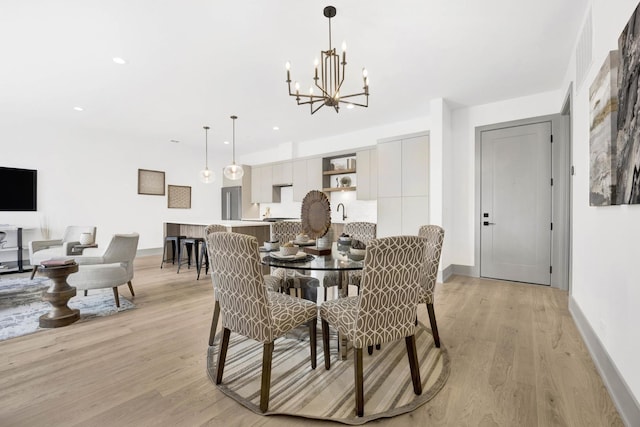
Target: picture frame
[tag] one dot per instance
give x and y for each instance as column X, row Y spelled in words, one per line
column 151, row 182
column 179, row 197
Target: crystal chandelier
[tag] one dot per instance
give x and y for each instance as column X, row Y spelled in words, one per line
column 206, row 175
column 330, row 79
column 234, row 171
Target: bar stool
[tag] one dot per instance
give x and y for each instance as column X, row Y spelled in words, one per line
column 191, row 244
column 175, row 246
column 204, row 257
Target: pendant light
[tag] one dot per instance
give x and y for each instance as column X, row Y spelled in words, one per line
column 234, row 171
column 206, row 175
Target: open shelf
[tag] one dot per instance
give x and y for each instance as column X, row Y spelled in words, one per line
column 330, row 189
column 338, row 171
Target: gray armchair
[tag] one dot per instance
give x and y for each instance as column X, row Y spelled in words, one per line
column 110, row 270
column 40, row 250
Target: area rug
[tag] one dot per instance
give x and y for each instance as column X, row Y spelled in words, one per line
column 300, row 391
column 21, row 305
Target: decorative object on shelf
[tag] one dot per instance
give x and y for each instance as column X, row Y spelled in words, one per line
column 150, row 182
column 351, row 163
column 179, row 197
column 331, row 78
column 234, row 171
column 206, row 175
column 345, row 181
column 2, row 241
column 315, row 214
column 86, row 238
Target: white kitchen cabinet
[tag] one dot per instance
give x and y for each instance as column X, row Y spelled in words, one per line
column 389, row 217
column 403, row 185
column 307, row 176
column 390, row 169
column 262, row 185
column 367, row 163
column 283, row 173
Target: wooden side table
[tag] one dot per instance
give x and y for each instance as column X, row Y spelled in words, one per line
column 58, row 294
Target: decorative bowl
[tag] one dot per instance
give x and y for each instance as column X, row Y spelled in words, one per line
column 357, row 252
column 272, row 246
column 288, row 250
column 356, row 257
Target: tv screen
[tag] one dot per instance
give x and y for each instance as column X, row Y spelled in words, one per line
column 19, row 189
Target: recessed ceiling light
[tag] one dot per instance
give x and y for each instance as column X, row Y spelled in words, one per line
column 78, row 108
column 226, row 143
column 276, row 128
column 175, row 141
column 120, row 61
column 350, row 106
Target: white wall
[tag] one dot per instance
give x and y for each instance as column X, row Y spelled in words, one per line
column 605, row 283
column 90, row 178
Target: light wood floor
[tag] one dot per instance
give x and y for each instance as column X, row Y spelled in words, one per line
column 516, row 356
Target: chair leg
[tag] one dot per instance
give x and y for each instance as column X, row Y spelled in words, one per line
column 312, row 341
column 222, row 355
column 434, row 326
column 214, row 322
column 131, row 288
column 359, row 381
column 267, row 355
column 412, row 354
column 86, row 292
column 116, row 296
column 325, row 344
column 34, row 271
column 370, row 350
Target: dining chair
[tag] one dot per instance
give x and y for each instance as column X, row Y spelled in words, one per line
column 286, row 231
column 363, row 231
column 385, row 310
column 272, row 283
column 248, row 308
column 434, row 236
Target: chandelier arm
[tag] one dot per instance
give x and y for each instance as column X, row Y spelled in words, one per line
column 352, row 95
column 319, row 107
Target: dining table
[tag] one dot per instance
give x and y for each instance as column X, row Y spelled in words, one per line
column 337, row 261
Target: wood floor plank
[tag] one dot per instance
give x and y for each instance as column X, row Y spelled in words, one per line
column 516, row 359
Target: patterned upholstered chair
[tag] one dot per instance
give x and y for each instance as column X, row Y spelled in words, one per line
column 386, row 308
column 286, row 231
column 40, row 250
column 271, row 282
column 434, row 236
column 248, row 308
column 363, row 231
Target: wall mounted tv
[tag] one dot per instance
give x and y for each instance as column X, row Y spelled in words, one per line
column 18, row 189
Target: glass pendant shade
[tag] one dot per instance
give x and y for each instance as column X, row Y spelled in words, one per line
column 206, row 175
column 233, row 171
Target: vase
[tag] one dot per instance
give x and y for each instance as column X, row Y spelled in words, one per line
column 86, row 238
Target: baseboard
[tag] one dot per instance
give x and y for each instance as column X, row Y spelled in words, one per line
column 149, row 252
column 622, row 397
column 464, row 270
column 445, row 274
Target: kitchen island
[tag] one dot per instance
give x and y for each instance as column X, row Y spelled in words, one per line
column 259, row 229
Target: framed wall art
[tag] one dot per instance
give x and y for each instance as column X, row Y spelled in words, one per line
column 150, row 182
column 179, row 197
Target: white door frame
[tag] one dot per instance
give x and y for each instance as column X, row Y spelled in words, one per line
column 560, row 195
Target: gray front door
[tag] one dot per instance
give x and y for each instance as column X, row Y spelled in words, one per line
column 515, row 236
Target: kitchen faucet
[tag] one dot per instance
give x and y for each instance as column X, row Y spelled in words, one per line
column 344, row 213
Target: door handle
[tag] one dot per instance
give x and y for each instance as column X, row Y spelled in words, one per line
column 485, row 223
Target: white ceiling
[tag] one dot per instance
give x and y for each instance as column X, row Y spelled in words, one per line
column 196, row 62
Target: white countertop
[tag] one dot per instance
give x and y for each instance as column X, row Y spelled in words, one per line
column 225, row 223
